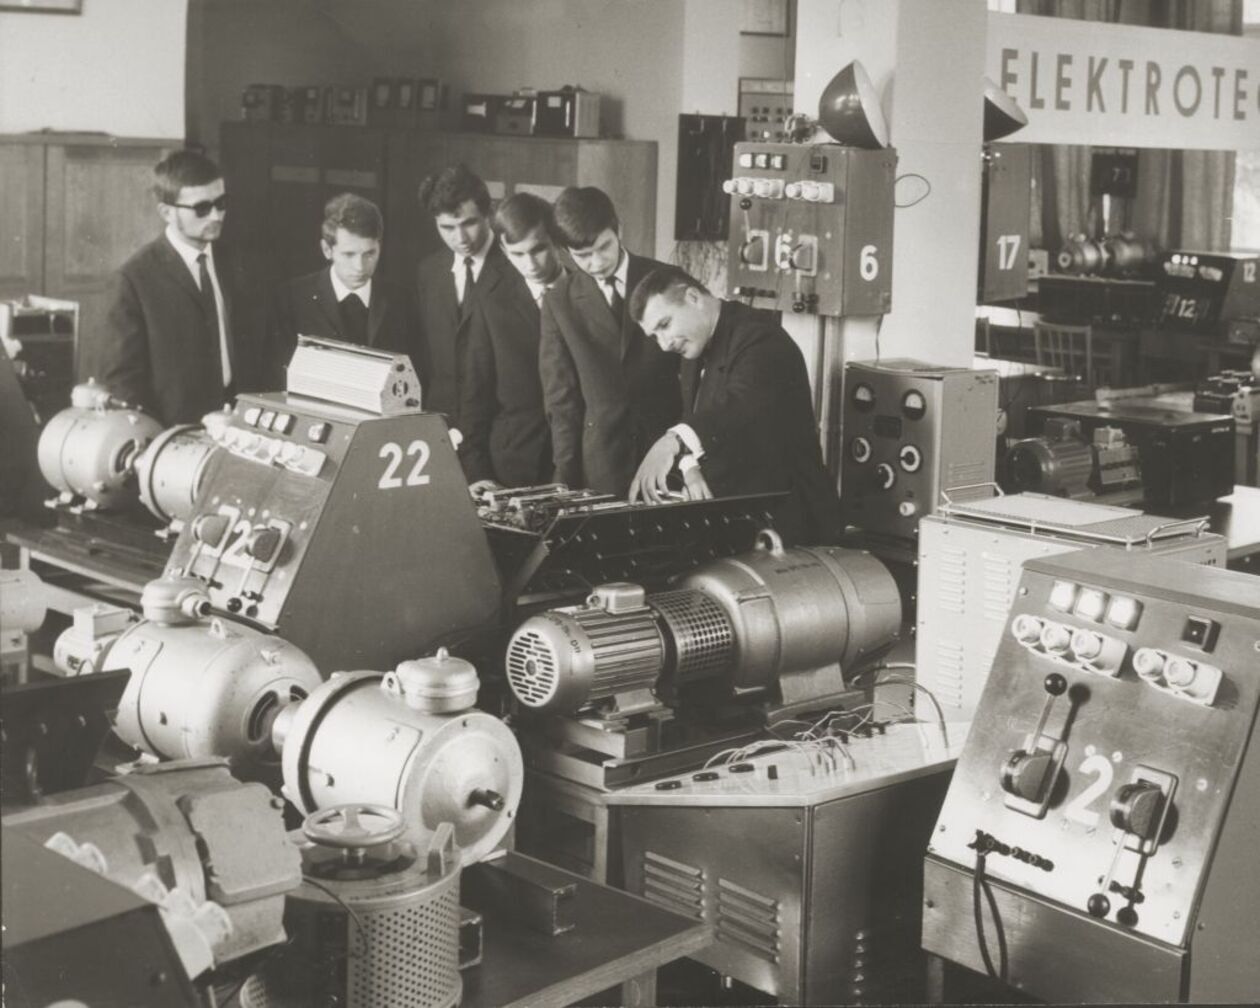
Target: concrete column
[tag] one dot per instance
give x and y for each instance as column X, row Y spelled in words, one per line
column 926, row 60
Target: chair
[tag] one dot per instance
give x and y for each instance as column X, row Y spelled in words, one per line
column 1069, row 347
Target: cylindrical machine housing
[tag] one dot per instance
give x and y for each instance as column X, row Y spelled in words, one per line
column 172, row 469
column 746, row 621
column 798, row 609
column 377, row 930
column 207, row 688
column 22, row 601
column 357, row 739
column 189, row 827
column 1062, row 468
column 90, row 449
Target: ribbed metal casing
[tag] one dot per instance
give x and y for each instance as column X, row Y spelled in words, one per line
column 564, row 659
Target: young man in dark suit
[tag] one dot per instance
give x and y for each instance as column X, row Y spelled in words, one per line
column 451, row 281
column 345, row 300
column 609, row 392
column 506, row 438
column 184, row 330
column 748, row 417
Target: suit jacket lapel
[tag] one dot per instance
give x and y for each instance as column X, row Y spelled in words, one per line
column 326, row 298
column 178, row 268
column 636, row 269
column 588, row 295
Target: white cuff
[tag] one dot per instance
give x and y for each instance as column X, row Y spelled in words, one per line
column 687, row 463
column 689, row 438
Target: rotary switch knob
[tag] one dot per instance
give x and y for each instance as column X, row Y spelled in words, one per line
column 885, row 476
column 1138, row 808
column 263, row 543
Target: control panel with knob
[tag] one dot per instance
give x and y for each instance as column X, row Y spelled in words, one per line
column 1115, row 738
column 915, row 433
column 825, row 214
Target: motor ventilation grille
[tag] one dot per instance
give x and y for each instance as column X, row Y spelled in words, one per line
column 704, row 641
column 533, row 669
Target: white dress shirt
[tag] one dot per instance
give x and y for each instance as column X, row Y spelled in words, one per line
column 478, row 261
column 621, row 273
column 340, row 290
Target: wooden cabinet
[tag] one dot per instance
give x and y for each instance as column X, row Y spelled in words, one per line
column 280, row 175
column 73, row 208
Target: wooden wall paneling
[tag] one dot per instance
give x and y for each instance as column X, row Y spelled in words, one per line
column 99, row 210
column 245, row 157
column 626, row 170
column 21, row 219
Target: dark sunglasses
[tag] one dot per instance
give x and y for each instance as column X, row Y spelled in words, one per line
column 203, row 207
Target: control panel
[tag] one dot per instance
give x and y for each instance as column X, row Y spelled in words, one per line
column 912, row 431
column 322, row 524
column 811, row 228
column 1104, row 778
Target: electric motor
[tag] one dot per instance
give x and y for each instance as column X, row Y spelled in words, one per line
column 210, row 850
column 172, row 469
column 744, row 622
column 1083, row 255
column 203, row 687
column 22, row 601
column 375, row 924
column 1061, row 463
column 407, row 739
column 90, row 449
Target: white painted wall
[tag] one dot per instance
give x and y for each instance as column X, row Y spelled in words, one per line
column 118, row 67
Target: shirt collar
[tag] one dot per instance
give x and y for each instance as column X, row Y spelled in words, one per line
column 622, row 273
column 537, row 288
column 340, row 290
column 478, row 257
column 188, row 251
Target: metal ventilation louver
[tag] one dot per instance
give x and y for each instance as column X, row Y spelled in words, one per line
column 532, row 668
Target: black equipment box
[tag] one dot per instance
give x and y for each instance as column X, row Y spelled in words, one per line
column 1187, row 458
column 569, row 112
column 1079, row 300
column 1201, row 291
column 262, row 102
column 515, row 116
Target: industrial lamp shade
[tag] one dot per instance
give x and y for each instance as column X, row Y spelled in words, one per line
column 1002, row 116
column 849, row 110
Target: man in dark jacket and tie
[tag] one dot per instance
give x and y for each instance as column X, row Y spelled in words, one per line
column 748, row 418
column 506, row 438
column 609, row 392
column 184, row 329
column 345, row 300
column 452, row 280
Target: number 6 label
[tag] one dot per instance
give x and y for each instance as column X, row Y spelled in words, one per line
column 393, row 453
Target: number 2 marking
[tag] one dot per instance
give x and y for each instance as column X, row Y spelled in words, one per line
column 393, row 452
column 1079, row 809
column 1249, row 271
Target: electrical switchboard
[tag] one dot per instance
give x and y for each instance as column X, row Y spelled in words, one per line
column 811, row 228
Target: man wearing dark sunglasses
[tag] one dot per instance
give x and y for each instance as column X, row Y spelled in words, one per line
column 176, row 340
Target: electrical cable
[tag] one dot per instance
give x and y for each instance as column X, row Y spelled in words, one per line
column 927, row 190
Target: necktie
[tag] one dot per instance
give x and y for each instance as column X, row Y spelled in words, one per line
column 614, row 298
column 470, row 282
column 210, row 311
column 354, row 318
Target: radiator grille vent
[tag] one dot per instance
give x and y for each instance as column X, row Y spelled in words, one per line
column 748, row 919
column 673, row 885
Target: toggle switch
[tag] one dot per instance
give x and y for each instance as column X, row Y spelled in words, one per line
column 210, row 528
column 263, row 543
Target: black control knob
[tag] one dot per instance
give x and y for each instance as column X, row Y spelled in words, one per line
column 1137, row 808
column 263, row 543
column 1055, row 684
column 1098, row 905
column 1027, row 775
column 885, row 476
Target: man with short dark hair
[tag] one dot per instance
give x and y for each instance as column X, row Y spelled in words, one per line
column 451, row 281
column 183, row 330
column 748, row 418
column 506, row 438
column 346, row 300
column 609, row 393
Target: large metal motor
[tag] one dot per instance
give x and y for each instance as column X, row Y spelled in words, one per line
column 89, row 451
column 210, row 851
column 172, row 469
column 410, row 740
column 200, row 687
column 376, row 922
column 1063, row 463
column 746, row 625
